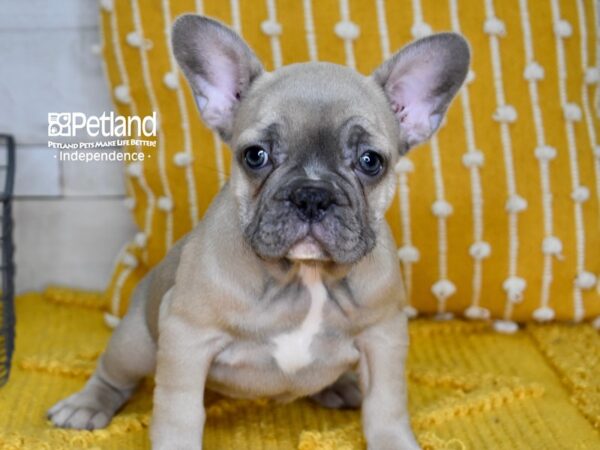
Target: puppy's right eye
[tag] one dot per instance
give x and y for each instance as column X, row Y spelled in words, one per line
column 370, row 163
column 256, row 157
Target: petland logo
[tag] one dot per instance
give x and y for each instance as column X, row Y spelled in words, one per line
column 113, row 132
column 68, row 124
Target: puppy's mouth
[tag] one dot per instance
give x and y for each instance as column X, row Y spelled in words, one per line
column 339, row 234
column 307, row 249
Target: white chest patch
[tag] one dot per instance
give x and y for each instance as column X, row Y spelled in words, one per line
column 292, row 350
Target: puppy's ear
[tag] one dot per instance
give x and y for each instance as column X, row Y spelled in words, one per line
column 219, row 66
column 420, row 81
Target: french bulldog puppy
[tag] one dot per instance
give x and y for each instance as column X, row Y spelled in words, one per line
column 291, row 283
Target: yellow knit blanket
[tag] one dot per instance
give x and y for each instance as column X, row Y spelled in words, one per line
column 469, row 388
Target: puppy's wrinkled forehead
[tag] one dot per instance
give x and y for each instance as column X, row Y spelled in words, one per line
column 316, row 105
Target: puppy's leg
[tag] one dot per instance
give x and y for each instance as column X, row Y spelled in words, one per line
column 129, row 356
column 185, row 354
column 344, row 393
column 386, row 423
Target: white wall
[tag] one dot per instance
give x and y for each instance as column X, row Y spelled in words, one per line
column 70, row 220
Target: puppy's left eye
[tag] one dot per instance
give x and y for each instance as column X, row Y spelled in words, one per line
column 256, row 157
column 370, row 163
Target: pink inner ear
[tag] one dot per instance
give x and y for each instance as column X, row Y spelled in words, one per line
column 412, row 105
column 220, row 93
column 224, row 74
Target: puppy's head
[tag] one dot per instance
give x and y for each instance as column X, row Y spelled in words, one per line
column 315, row 144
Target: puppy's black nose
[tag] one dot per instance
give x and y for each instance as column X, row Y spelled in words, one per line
column 311, row 202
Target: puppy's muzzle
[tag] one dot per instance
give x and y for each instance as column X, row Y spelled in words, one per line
column 312, row 200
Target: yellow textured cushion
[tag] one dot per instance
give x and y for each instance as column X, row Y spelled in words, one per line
column 469, row 388
column 517, row 163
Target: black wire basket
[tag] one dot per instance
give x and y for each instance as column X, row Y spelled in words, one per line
column 7, row 267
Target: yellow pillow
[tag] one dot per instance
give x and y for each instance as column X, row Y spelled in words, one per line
column 497, row 217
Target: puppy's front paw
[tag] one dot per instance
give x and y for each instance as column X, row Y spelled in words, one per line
column 91, row 408
column 344, row 393
column 175, row 434
column 66, row 414
column 397, row 438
